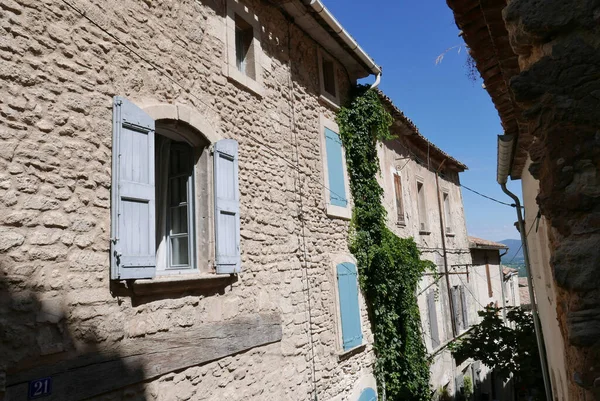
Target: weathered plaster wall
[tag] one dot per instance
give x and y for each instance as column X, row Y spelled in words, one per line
column 58, row 74
column 545, row 287
column 398, row 156
column 559, row 54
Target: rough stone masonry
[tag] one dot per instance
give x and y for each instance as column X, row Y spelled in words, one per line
column 58, row 74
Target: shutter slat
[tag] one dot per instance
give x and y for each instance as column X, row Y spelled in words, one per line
column 433, row 321
column 133, row 250
column 227, row 207
column 335, row 167
column 349, row 308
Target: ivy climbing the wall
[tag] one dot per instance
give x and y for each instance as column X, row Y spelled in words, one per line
column 389, row 267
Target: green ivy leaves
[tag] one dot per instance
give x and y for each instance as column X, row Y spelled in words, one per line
column 390, row 267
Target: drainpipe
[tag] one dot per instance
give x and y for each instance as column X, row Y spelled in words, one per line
column 505, row 148
column 443, row 234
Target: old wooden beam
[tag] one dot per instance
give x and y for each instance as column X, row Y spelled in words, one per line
column 137, row 359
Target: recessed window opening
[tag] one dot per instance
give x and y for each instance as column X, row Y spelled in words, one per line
column 174, row 203
column 447, row 215
column 328, row 77
column 421, row 206
column 244, row 51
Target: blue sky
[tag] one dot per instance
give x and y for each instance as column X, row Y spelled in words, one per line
column 405, row 38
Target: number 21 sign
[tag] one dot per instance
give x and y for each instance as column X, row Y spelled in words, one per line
column 40, row 388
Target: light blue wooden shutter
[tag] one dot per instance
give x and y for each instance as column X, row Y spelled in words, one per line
column 133, row 250
column 368, row 394
column 433, row 320
column 335, row 166
column 349, row 310
column 227, row 207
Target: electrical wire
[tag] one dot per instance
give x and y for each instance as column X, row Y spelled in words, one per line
column 526, row 236
column 487, row 197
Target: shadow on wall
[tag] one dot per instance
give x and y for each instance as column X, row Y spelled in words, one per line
column 39, row 356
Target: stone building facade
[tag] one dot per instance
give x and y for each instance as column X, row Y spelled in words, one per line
column 430, row 210
column 268, row 75
column 539, row 62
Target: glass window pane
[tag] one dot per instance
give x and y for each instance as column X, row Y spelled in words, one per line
column 179, row 251
column 178, row 190
column 179, row 221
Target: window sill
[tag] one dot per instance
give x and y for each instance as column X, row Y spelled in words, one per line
column 450, row 234
column 424, row 232
column 182, row 282
column 328, row 102
column 401, row 223
column 339, row 212
column 344, row 355
column 252, row 85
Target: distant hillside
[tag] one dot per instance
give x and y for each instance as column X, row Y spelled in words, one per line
column 514, row 251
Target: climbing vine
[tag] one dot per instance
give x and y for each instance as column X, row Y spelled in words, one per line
column 390, row 267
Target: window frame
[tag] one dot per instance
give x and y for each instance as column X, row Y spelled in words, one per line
column 331, row 99
column 333, row 211
column 448, row 226
column 198, row 147
column 422, row 206
column 255, row 85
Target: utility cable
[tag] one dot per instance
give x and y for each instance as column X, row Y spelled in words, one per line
column 526, row 236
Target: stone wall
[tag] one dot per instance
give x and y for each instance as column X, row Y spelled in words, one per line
column 400, row 156
column 58, row 75
column 558, row 88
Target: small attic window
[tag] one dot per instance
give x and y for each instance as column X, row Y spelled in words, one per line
column 244, row 51
column 328, row 78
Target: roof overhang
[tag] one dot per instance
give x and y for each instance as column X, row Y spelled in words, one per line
column 484, row 32
column 314, row 18
column 409, row 130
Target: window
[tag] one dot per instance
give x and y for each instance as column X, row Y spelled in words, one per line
column 347, row 285
column 399, row 205
column 244, row 51
column 447, row 218
column 174, row 194
column 423, row 229
column 156, row 198
column 433, row 320
column 335, row 174
column 243, row 47
column 328, row 78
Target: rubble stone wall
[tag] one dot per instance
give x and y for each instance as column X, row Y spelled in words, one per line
column 558, row 44
column 58, row 74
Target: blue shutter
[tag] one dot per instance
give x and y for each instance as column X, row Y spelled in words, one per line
column 433, row 321
column 133, row 250
column 349, row 310
column 227, row 207
column 335, row 165
column 368, row 394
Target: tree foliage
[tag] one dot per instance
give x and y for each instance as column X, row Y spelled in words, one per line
column 390, row 267
column 503, row 348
